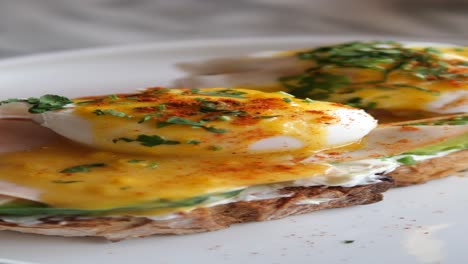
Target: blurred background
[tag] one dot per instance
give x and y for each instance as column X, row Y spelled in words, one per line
column 34, row 26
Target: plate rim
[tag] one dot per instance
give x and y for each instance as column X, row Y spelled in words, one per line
column 202, row 42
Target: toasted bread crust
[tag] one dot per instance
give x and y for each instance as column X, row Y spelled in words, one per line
column 430, row 169
column 207, row 219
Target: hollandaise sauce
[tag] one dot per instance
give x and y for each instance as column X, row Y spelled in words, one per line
column 175, row 147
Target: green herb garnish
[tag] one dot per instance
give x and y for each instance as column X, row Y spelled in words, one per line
column 148, row 140
column 221, row 93
column 42, row 104
column 215, row 148
column 145, row 118
column 111, row 112
column 175, row 120
column 65, row 182
column 135, row 161
column 89, row 101
column 83, row 168
column 317, row 82
column 193, row 142
column 153, row 165
column 357, row 102
column 267, row 117
column 113, row 97
column 162, row 107
column 207, row 106
column 224, row 118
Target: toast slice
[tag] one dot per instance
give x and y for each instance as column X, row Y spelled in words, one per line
column 430, row 169
column 300, row 201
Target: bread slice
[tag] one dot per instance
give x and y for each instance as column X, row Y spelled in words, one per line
column 222, row 216
column 209, row 218
column 430, row 169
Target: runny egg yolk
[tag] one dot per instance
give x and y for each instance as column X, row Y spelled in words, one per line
column 174, row 144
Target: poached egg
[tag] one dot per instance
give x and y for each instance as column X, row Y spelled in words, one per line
column 409, row 82
column 177, row 147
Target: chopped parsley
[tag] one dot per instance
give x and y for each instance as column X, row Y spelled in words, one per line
column 135, row 161
column 162, row 107
column 285, row 93
column 65, row 182
column 221, row 93
column 357, row 102
column 145, row 118
column 348, row 241
column 224, row 118
column 317, row 82
column 153, row 165
column 113, row 97
column 83, row 168
column 207, row 106
column 148, row 140
column 193, row 142
column 215, row 148
column 175, row 120
column 267, row 117
column 287, row 100
column 111, row 112
column 42, row 104
column 90, row 101
column 214, row 129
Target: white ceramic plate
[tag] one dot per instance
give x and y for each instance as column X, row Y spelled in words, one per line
column 419, row 224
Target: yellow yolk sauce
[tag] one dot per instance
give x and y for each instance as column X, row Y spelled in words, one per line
column 173, row 145
column 401, row 91
column 117, row 179
column 212, row 121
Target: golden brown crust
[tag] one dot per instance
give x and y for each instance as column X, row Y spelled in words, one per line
column 207, row 219
column 430, row 169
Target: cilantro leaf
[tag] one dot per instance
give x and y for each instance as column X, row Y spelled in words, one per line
column 221, row 93
column 318, row 82
column 42, row 104
column 82, row 168
column 175, row 120
column 111, row 112
column 65, row 182
column 148, row 140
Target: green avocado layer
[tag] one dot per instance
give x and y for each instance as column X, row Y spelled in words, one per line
column 29, row 208
column 456, row 143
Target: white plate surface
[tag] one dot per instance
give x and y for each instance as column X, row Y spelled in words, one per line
column 419, row 224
